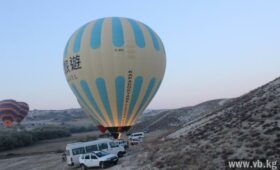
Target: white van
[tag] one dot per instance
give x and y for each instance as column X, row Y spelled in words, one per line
column 74, row 150
column 136, row 135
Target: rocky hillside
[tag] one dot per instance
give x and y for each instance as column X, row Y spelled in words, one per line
column 176, row 118
column 247, row 127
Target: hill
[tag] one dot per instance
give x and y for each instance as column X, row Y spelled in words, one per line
column 247, row 127
column 176, row 118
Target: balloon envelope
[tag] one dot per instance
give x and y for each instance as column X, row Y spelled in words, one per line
column 114, row 67
column 12, row 111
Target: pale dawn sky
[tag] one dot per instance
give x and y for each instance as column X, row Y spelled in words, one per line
column 215, row 49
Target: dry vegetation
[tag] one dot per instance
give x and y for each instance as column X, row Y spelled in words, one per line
column 247, row 127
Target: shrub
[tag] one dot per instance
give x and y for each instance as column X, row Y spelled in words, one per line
column 78, row 129
column 15, row 139
column 12, row 138
column 50, row 132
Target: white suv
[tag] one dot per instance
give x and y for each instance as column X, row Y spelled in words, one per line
column 137, row 135
column 97, row 159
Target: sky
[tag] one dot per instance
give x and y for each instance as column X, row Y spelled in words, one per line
column 215, row 49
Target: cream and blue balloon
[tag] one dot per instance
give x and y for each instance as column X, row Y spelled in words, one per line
column 114, row 67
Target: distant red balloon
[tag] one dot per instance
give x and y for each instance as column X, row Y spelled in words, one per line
column 12, row 111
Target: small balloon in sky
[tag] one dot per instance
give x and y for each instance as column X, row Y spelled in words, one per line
column 114, row 66
column 12, row 111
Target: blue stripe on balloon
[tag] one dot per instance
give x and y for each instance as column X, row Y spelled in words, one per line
column 159, row 83
column 89, row 95
column 78, row 39
column 150, row 97
column 147, row 94
column 119, row 85
column 80, row 98
column 102, row 90
column 96, row 34
column 154, row 38
column 117, row 32
column 163, row 48
column 138, row 34
column 66, row 48
column 135, row 94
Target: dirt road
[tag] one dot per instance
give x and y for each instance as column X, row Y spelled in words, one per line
column 34, row 162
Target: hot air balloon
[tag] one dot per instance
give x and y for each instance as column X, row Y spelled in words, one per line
column 12, row 111
column 24, row 108
column 114, row 67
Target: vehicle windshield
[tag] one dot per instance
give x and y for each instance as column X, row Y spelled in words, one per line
column 113, row 145
column 101, row 154
column 139, row 134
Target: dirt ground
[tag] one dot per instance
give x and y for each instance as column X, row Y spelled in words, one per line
column 45, row 156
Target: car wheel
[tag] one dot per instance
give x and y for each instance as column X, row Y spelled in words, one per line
column 102, row 165
column 120, row 154
column 116, row 162
column 83, row 167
